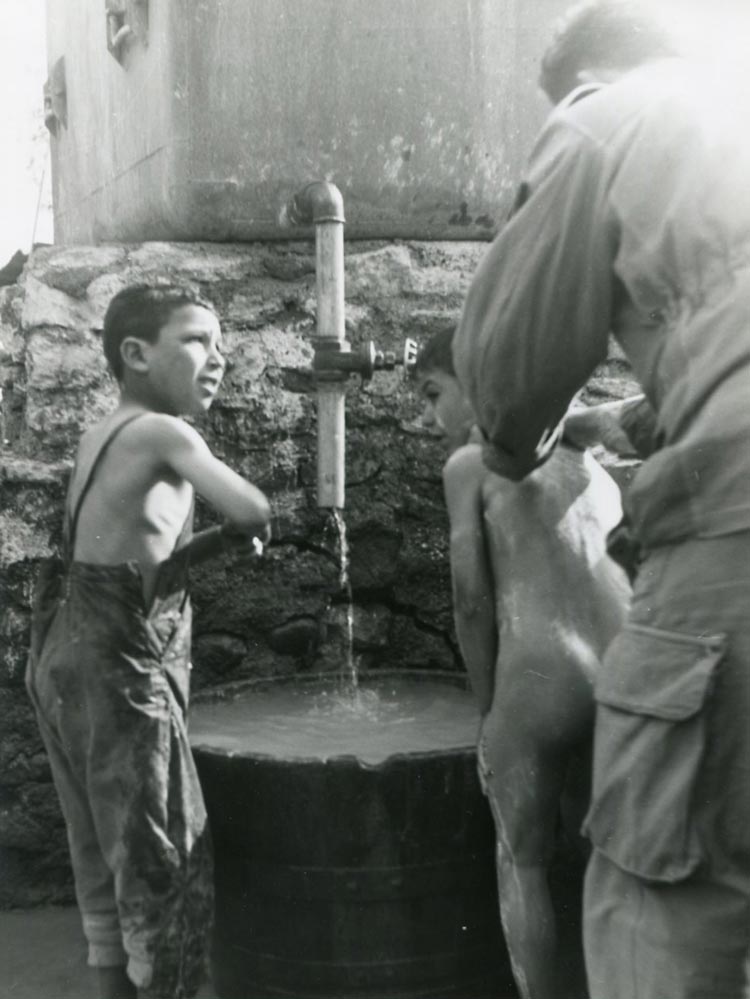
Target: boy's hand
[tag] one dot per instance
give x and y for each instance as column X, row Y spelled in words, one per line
column 243, row 544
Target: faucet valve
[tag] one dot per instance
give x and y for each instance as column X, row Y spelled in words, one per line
column 334, row 360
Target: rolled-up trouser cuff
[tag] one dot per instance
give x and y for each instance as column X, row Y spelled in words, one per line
column 140, row 972
column 102, row 931
column 107, row 955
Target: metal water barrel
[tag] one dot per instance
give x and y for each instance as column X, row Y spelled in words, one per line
column 197, row 119
column 338, row 879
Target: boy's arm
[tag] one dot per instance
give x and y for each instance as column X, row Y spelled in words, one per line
column 471, row 573
column 222, row 540
column 181, row 447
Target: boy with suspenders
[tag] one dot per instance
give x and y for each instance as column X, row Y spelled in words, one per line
column 110, row 658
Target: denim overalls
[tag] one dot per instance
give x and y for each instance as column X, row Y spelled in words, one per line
column 109, row 678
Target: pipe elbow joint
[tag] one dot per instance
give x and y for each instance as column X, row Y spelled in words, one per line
column 318, row 202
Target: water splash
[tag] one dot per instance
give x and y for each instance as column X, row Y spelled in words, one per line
column 352, row 674
column 314, row 718
column 353, row 704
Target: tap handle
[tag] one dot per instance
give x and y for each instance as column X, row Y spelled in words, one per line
column 411, row 349
column 387, row 360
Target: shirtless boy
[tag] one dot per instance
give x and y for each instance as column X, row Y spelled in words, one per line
column 536, row 602
column 109, row 666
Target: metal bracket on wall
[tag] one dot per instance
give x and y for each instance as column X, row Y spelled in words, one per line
column 56, row 98
column 127, row 22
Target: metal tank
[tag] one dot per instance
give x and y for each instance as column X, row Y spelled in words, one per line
column 197, row 119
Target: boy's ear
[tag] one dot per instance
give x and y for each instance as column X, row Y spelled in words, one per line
column 133, row 354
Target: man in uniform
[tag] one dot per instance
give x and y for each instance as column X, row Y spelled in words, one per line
column 634, row 219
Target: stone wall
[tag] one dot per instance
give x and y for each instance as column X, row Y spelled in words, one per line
column 283, row 613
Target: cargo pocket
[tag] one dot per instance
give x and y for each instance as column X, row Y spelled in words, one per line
column 650, row 740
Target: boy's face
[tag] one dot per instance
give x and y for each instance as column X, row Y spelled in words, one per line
column 185, row 364
column 446, row 412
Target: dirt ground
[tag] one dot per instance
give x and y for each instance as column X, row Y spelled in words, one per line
column 43, row 956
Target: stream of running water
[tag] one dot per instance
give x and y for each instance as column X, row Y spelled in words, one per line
column 351, row 675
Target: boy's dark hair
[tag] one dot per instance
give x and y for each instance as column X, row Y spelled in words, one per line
column 436, row 354
column 620, row 34
column 140, row 311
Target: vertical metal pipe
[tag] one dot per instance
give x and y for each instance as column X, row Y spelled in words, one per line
column 321, row 204
column 329, row 268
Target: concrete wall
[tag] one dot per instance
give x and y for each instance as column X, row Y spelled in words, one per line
column 279, row 615
column 422, row 113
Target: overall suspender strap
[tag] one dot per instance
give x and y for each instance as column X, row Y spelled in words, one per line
column 187, row 529
column 71, row 522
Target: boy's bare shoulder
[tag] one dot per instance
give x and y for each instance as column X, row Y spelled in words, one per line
column 464, row 463
column 465, row 476
column 465, row 469
column 161, row 434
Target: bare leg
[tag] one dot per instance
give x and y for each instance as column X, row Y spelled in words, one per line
column 115, row 984
column 529, row 925
column 528, row 921
column 524, row 786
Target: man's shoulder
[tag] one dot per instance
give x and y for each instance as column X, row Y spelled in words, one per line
column 654, row 90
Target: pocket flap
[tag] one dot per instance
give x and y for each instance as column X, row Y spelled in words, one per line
column 659, row 673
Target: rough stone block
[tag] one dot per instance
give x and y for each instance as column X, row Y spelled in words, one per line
column 45, row 306
column 20, row 540
column 372, row 625
column 208, row 263
column 71, row 269
column 14, row 644
column 32, row 878
column 30, row 818
column 22, row 756
column 247, row 386
column 100, row 292
column 64, row 360
column 415, row 647
column 55, row 420
column 385, row 272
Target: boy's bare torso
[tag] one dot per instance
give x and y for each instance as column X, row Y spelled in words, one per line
column 136, row 505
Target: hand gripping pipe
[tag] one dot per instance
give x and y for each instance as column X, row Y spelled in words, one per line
column 322, row 205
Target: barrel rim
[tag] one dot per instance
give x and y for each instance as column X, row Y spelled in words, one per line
column 236, row 687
